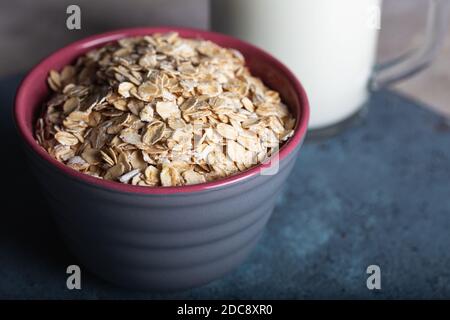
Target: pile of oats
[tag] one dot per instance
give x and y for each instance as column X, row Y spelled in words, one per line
column 161, row 111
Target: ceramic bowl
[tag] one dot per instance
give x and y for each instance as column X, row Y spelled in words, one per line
column 160, row 238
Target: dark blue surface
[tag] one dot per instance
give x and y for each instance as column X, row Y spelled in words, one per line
column 377, row 194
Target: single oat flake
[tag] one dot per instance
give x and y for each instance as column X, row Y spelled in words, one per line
column 161, row 110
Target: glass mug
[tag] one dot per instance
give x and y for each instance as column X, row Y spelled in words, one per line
column 331, row 46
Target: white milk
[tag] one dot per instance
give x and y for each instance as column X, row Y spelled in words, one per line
column 329, row 44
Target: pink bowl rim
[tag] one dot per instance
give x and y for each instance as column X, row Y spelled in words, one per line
column 91, row 41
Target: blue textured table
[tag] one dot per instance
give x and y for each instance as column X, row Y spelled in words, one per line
column 377, row 194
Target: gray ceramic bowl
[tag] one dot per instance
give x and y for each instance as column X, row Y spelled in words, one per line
column 162, row 238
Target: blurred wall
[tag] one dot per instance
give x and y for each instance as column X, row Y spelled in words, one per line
column 30, row 30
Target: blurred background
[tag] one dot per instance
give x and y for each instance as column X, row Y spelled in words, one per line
column 30, row 30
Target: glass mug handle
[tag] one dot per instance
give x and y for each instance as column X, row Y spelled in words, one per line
column 409, row 64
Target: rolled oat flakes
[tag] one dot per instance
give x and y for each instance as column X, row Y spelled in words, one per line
column 161, row 110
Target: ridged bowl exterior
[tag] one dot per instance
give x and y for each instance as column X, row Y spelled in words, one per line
column 157, row 238
column 156, row 242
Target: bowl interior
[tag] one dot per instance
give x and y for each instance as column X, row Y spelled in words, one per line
column 34, row 90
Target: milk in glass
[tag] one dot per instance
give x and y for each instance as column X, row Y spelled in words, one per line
column 329, row 44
